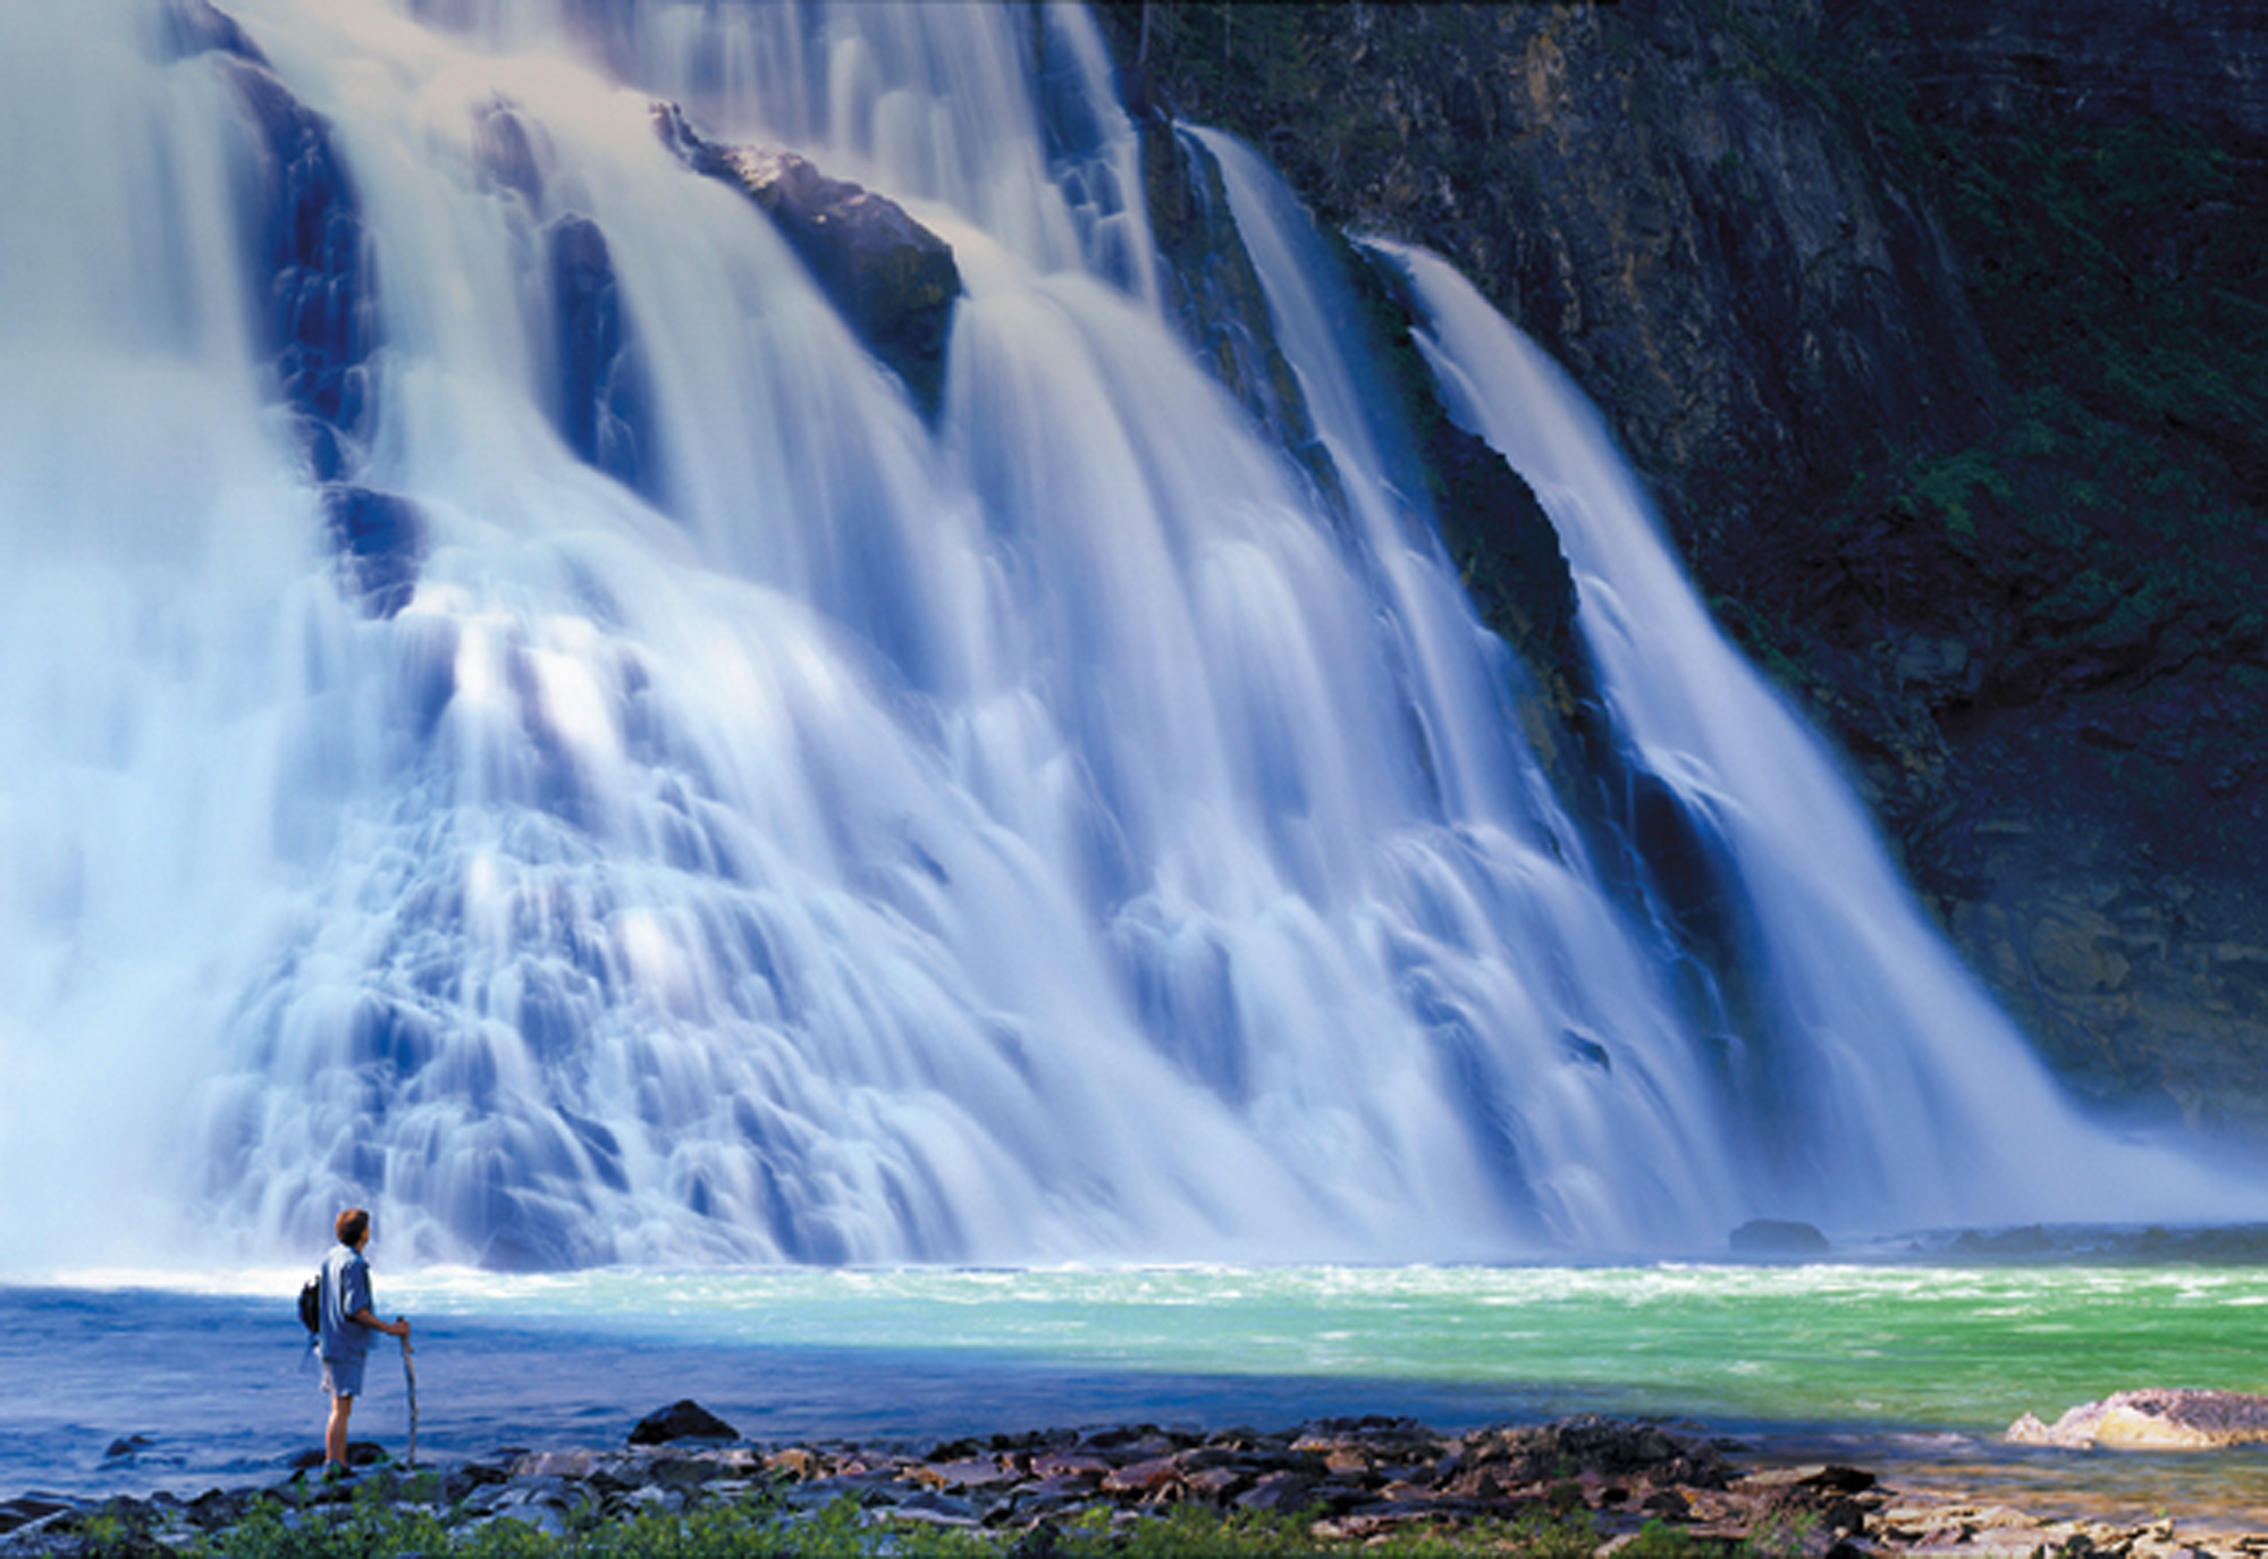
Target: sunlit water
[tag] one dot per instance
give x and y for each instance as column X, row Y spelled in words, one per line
column 1911, row 1369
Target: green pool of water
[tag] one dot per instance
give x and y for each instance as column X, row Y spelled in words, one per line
column 1922, row 1347
column 1911, row 1369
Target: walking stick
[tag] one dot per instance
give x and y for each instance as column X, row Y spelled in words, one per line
column 409, row 1373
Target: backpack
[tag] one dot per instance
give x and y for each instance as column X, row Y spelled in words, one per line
column 311, row 1305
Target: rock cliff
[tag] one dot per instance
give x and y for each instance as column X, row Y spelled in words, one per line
column 1937, row 333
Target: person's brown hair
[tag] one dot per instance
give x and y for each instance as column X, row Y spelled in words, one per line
column 352, row 1225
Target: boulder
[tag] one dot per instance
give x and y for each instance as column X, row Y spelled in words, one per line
column 25, row 1509
column 2155, row 1419
column 2029, row 1240
column 318, row 312
column 892, row 278
column 1279, row 1493
column 1778, row 1237
column 685, row 1420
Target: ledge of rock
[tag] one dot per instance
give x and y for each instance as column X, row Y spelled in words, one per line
column 2155, row 1420
column 892, row 278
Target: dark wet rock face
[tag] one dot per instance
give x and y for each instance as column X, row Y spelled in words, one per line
column 318, row 301
column 601, row 396
column 893, row 279
column 1492, row 526
column 1212, row 290
column 505, row 146
column 593, row 382
column 316, row 311
column 2196, row 61
column 319, row 312
column 380, row 540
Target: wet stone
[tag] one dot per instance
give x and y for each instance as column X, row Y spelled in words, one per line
column 973, row 1474
column 1057, row 1490
column 1072, row 1466
column 28, row 1509
column 556, row 1464
column 1143, row 1477
column 1215, row 1485
column 1279, row 1493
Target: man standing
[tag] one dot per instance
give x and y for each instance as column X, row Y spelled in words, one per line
column 344, row 1340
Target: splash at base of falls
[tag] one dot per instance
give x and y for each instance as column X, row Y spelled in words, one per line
column 520, row 718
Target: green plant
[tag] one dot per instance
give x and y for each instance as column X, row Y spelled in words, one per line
column 1780, row 1535
column 1657, row 1540
column 106, row 1534
column 1948, row 486
column 1189, row 1531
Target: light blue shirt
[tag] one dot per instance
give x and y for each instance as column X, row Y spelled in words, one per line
column 346, row 1290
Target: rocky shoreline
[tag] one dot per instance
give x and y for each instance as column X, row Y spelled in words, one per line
column 1357, row 1483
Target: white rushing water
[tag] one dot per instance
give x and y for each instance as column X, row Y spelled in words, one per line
column 1039, row 829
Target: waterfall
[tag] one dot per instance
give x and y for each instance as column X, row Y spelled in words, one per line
column 1873, row 1055
column 520, row 715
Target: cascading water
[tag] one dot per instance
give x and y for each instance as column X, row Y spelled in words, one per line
column 516, row 716
column 1878, row 1059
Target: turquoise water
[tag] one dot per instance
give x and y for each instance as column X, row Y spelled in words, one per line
column 1912, row 1368
column 1941, row 1347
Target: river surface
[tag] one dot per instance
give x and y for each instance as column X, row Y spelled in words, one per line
column 130, row 1382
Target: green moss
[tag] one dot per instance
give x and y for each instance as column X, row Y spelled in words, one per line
column 1949, row 486
column 2119, row 273
column 2122, row 264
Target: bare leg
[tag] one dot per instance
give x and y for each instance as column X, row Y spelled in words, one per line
column 335, row 1433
